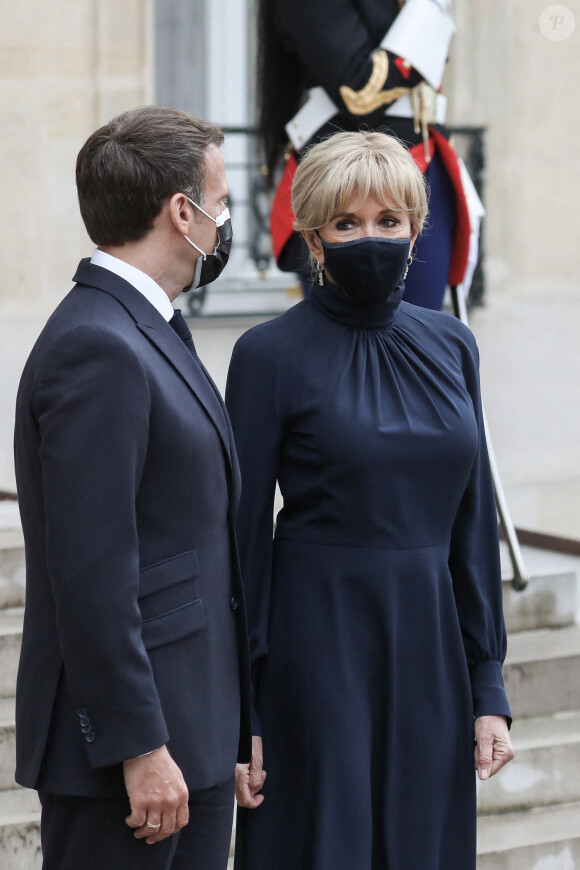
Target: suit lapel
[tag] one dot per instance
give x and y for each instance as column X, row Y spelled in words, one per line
column 171, row 346
column 166, row 341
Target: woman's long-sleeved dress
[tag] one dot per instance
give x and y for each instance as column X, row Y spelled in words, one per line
column 375, row 613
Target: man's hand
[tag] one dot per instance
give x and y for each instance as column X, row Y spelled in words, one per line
column 250, row 778
column 494, row 747
column 158, row 795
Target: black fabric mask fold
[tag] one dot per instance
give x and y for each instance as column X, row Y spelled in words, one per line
column 368, row 270
column 210, row 266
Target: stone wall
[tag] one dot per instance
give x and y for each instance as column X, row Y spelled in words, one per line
column 509, row 73
column 65, row 68
column 506, row 74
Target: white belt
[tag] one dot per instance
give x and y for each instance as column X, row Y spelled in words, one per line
column 319, row 108
column 316, row 111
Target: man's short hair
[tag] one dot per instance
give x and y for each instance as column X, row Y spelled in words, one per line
column 127, row 169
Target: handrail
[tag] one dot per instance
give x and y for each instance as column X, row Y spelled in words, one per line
column 520, row 575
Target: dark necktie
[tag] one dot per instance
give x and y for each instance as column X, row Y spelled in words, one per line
column 182, row 329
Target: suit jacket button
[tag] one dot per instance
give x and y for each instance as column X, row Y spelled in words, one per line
column 82, row 711
column 234, row 603
column 86, row 729
column 84, row 720
column 90, row 736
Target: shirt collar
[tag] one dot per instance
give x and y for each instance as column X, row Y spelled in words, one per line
column 138, row 279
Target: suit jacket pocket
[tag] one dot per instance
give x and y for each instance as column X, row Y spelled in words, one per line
column 170, row 600
column 172, row 626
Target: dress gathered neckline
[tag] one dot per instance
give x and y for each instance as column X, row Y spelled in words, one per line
column 330, row 300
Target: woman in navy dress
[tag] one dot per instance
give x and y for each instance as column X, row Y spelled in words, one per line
column 377, row 635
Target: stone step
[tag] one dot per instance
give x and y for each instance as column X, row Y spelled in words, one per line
column 548, row 601
column 546, row 769
column 12, row 577
column 20, row 830
column 7, row 744
column 10, row 641
column 551, row 599
column 12, row 570
column 542, row 670
column 547, row 838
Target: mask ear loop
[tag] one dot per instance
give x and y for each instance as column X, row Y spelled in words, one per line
column 220, row 220
column 193, row 245
column 187, row 239
column 222, row 217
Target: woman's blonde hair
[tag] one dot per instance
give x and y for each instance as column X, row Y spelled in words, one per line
column 345, row 164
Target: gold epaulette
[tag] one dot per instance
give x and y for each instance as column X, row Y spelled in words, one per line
column 372, row 96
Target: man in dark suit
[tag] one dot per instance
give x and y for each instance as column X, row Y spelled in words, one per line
column 132, row 696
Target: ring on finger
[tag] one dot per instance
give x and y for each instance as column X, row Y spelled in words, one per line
column 153, row 827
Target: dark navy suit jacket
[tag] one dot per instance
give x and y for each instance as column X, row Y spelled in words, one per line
column 134, row 628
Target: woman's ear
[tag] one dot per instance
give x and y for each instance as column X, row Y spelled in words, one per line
column 312, row 239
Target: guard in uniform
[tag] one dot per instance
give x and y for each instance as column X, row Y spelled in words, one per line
column 334, row 65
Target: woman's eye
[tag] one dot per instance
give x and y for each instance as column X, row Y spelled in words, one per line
column 344, row 225
column 389, row 222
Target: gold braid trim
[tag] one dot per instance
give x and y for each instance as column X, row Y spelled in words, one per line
column 372, row 96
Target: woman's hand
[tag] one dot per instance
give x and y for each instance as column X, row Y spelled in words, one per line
column 250, row 778
column 494, row 747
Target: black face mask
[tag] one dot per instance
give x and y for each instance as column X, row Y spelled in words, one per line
column 368, row 270
column 209, row 266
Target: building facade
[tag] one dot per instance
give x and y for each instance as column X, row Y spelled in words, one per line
column 67, row 67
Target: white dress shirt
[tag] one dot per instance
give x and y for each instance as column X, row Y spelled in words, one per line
column 150, row 289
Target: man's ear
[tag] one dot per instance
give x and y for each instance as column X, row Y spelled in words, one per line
column 312, row 239
column 180, row 212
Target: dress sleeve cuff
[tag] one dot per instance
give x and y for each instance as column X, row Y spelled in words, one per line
column 488, row 691
column 256, row 730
